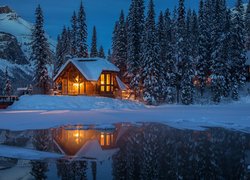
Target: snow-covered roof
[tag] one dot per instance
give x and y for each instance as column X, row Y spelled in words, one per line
column 90, row 68
column 121, row 85
column 93, row 149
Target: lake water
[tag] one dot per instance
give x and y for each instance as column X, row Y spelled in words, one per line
column 125, row 151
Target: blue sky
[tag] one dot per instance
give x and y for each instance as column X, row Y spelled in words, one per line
column 102, row 13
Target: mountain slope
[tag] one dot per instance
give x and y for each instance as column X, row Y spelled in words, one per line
column 15, row 48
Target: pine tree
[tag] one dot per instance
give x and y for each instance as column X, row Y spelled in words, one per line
column 202, row 65
column 135, row 38
column 169, row 63
column 82, row 33
column 184, row 62
column 114, row 42
column 109, row 56
column 8, row 86
column 101, row 53
column 62, row 48
column 120, row 45
column 238, row 54
column 219, row 62
column 40, row 53
column 73, row 35
column 180, row 46
column 94, row 51
column 151, row 72
column 247, row 26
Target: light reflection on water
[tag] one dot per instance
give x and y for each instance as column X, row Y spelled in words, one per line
column 146, row 151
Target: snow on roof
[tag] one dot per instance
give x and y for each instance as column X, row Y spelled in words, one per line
column 93, row 149
column 121, row 85
column 90, row 68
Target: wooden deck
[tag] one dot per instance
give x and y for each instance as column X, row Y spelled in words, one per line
column 6, row 101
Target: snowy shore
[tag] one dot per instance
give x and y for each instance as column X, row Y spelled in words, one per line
column 26, row 114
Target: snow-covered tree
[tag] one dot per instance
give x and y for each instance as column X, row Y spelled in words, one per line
column 238, row 54
column 169, row 62
column 82, row 48
column 135, row 38
column 152, row 69
column 247, row 26
column 120, row 45
column 109, row 56
column 202, row 65
column 101, row 52
column 62, row 48
column 219, row 70
column 40, row 53
column 94, row 51
column 73, row 35
column 7, row 87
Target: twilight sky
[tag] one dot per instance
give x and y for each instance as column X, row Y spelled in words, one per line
column 102, row 13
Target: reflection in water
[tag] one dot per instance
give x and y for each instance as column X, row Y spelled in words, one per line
column 158, row 152
column 73, row 139
column 146, row 151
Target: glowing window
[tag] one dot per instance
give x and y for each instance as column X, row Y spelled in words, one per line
column 102, row 88
column 112, row 80
column 107, row 78
column 107, row 88
column 102, row 142
column 102, row 79
column 108, row 139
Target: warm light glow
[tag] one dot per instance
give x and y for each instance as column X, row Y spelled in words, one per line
column 77, row 78
column 77, row 135
column 102, row 140
column 76, row 84
column 102, row 79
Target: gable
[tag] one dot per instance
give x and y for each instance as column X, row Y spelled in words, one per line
column 90, row 68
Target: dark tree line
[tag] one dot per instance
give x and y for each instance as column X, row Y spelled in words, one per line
column 153, row 151
column 183, row 54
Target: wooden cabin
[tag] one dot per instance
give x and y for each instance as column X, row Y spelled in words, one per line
column 89, row 76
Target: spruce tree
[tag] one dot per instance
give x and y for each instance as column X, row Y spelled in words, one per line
column 247, row 26
column 8, row 86
column 202, row 66
column 101, row 53
column 238, row 54
column 94, row 51
column 82, row 48
column 151, row 72
column 40, row 53
column 219, row 62
column 180, row 46
column 109, row 56
column 62, row 48
column 169, row 63
column 73, row 35
column 135, row 39
column 120, row 49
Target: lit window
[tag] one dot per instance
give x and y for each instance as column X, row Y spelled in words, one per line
column 107, row 88
column 107, row 78
column 102, row 140
column 102, row 79
column 112, row 80
column 108, row 139
column 102, row 88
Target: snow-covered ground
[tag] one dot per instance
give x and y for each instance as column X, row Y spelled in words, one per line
column 43, row 102
column 28, row 154
column 31, row 114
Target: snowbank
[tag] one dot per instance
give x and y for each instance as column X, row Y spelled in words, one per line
column 106, row 111
column 28, row 154
column 43, row 102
